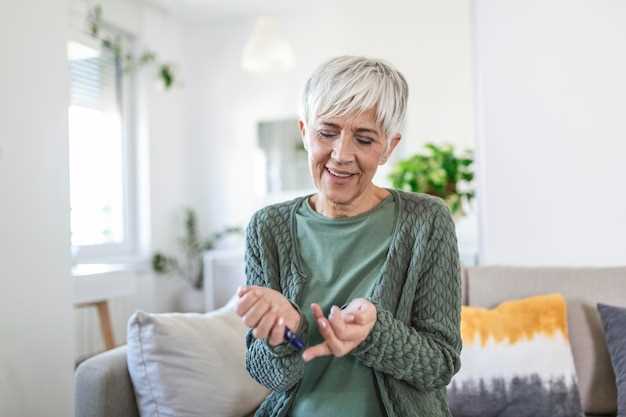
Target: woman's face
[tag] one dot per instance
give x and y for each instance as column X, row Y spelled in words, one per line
column 344, row 153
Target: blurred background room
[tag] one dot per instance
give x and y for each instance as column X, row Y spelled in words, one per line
column 137, row 137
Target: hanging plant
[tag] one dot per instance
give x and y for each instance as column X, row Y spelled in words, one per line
column 129, row 61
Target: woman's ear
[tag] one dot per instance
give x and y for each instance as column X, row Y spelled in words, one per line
column 392, row 142
column 302, row 128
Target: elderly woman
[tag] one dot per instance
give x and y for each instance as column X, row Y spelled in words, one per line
column 388, row 258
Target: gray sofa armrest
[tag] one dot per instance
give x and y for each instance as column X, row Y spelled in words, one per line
column 103, row 387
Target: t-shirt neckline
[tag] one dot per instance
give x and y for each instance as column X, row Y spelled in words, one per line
column 315, row 214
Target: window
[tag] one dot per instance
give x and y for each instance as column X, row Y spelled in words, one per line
column 102, row 163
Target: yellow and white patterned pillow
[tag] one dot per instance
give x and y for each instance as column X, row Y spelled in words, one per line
column 516, row 361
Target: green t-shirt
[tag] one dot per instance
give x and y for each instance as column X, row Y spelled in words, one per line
column 343, row 260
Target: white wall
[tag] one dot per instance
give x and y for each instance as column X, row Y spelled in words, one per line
column 551, row 92
column 36, row 326
column 428, row 41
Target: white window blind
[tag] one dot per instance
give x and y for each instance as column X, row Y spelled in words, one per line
column 95, row 80
column 100, row 163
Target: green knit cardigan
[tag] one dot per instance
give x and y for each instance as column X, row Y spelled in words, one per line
column 414, row 347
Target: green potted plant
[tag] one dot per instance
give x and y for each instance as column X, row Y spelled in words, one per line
column 189, row 267
column 438, row 171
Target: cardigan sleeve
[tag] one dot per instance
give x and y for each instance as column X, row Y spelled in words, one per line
column 279, row 367
column 425, row 354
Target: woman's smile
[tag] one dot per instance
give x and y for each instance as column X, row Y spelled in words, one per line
column 339, row 177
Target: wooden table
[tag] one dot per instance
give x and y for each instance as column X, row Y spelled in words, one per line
column 104, row 316
column 95, row 285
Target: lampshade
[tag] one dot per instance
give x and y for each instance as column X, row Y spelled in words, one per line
column 266, row 51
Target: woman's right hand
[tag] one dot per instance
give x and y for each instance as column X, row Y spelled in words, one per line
column 266, row 312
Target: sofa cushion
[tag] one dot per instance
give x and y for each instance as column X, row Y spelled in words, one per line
column 191, row 364
column 516, row 360
column 614, row 324
column 582, row 289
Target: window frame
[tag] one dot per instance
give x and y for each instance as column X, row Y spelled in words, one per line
column 128, row 249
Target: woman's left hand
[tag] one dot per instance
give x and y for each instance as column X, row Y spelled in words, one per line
column 344, row 329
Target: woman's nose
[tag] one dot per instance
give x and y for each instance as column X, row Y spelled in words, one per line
column 343, row 150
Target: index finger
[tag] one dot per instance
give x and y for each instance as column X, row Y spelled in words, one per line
column 245, row 302
column 243, row 289
column 317, row 311
column 328, row 333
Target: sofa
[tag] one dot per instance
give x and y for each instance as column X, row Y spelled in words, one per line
column 103, row 387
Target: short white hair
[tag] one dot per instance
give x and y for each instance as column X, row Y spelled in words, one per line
column 354, row 84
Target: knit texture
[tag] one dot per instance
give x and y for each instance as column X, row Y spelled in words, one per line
column 414, row 347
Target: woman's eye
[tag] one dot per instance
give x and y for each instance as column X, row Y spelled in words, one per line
column 326, row 134
column 365, row 141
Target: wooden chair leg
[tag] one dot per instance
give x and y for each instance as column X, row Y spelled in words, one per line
column 105, row 324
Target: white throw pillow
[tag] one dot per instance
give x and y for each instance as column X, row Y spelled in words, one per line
column 185, row 365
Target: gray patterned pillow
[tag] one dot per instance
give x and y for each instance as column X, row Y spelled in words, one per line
column 614, row 322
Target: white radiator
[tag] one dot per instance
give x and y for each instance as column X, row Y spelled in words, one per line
column 224, row 271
